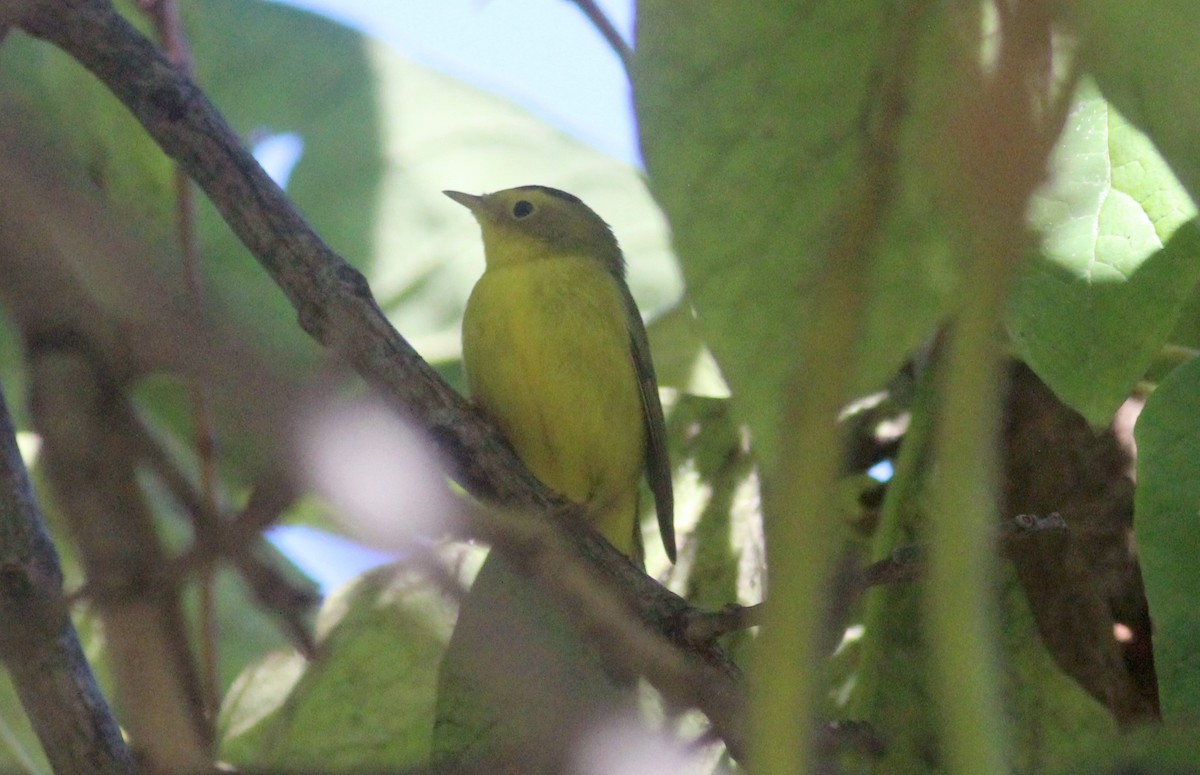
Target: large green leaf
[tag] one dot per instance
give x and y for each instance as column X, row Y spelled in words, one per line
column 1167, row 521
column 1119, row 259
column 1144, row 58
column 367, row 701
column 812, row 256
column 754, row 134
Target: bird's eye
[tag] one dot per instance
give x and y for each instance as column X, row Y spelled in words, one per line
column 522, row 209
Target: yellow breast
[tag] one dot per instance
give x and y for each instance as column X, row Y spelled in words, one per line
column 546, row 347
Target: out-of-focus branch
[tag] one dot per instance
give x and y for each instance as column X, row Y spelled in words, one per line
column 38, row 643
column 707, row 626
column 91, row 463
column 335, row 306
column 240, row 542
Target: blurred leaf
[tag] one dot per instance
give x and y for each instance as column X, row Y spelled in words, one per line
column 756, row 187
column 890, row 692
column 320, row 86
column 256, row 695
column 517, row 675
column 1187, row 329
column 681, row 360
column 1142, row 54
column 1120, row 260
column 49, row 95
column 810, row 255
column 244, row 630
column 1055, row 723
column 1166, row 505
column 367, row 701
column 20, row 749
column 1158, row 749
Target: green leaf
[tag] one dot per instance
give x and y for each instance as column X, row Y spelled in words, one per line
column 814, row 264
column 753, row 135
column 723, row 96
column 255, row 696
column 1055, row 721
column 1119, row 261
column 1142, row 54
column 681, row 360
column 367, row 701
column 1167, row 521
column 1165, row 749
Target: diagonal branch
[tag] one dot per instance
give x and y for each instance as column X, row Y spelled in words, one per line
column 38, row 643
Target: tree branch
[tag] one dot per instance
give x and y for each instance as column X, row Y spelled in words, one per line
column 38, row 643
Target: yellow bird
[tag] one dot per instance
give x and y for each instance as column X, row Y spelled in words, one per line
column 556, row 354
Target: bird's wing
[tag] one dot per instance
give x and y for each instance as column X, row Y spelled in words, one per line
column 658, row 465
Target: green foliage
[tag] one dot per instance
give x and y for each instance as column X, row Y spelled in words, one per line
column 811, row 167
column 769, row 140
column 1168, row 502
column 1140, row 55
column 1054, row 723
column 320, row 87
column 1118, row 262
column 366, row 701
column 753, row 184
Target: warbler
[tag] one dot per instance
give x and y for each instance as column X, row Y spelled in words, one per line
column 556, row 354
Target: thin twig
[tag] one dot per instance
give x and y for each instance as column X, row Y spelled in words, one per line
column 165, row 16
column 906, row 564
column 607, row 31
column 239, row 541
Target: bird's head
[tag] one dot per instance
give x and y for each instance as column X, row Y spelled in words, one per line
column 528, row 223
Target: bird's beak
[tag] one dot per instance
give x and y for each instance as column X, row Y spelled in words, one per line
column 469, row 201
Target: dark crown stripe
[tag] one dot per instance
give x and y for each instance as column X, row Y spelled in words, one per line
column 552, row 192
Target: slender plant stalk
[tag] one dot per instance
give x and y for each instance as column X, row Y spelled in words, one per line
column 903, row 487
